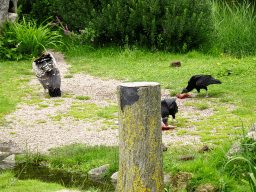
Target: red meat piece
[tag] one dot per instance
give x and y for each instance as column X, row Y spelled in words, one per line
column 182, row 96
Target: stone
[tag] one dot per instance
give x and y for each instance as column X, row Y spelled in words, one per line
column 10, row 159
column 186, row 157
column 180, row 181
column 97, row 174
column 205, row 148
column 252, row 132
column 10, row 147
column 176, row 64
column 114, row 178
column 167, row 180
column 12, row 17
column 4, row 155
column 236, row 148
column 207, row 188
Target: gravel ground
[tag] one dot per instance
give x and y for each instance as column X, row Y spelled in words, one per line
column 31, row 127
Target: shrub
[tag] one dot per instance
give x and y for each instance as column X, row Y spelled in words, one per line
column 8, row 45
column 32, row 39
column 174, row 25
column 37, row 10
column 187, row 24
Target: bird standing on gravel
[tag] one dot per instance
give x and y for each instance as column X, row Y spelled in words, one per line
column 200, row 82
column 48, row 74
column 168, row 107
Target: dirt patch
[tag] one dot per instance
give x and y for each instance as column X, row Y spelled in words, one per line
column 37, row 128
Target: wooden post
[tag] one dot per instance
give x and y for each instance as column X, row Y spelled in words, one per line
column 140, row 138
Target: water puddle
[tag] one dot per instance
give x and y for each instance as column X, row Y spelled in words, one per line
column 24, row 171
column 67, row 179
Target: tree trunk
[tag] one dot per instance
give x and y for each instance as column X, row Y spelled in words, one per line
column 140, row 138
column 4, row 5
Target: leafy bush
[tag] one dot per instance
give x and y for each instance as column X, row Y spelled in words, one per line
column 187, row 24
column 37, row 10
column 84, row 36
column 174, row 25
column 32, row 39
column 8, row 45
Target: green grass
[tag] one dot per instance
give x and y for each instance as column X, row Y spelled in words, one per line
column 68, row 76
column 208, row 167
column 41, row 121
column 12, row 86
column 43, row 105
column 140, row 65
column 79, row 157
column 83, row 111
column 8, row 183
column 235, row 29
column 33, row 100
column 200, row 105
column 83, row 97
column 107, row 112
column 56, row 117
column 92, row 111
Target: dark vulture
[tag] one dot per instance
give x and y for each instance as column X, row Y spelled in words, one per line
column 48, row 74
column 200, row 82
column 168, row 107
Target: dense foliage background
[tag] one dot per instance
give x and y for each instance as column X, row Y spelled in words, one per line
column 173, row 25
column 209, row 26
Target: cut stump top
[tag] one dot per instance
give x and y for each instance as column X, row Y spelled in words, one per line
column 139, row 84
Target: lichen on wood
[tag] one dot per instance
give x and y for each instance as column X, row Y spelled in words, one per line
column 140, row 138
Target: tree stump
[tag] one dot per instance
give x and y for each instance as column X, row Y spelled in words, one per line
column 140, row 138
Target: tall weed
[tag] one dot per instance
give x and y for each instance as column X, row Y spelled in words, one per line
column 235, row 28
column 33, row 39
column 244, row 164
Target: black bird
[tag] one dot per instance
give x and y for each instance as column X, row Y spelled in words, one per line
column 200, row 82
column 168, row 107
column 48, row 74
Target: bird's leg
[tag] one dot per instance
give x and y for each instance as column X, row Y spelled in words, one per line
column 173, row 118
column 198, row 91
column 206, row 93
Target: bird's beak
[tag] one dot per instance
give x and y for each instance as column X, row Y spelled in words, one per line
column 165, row 121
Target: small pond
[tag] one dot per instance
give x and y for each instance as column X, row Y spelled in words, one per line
column 68, row 179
